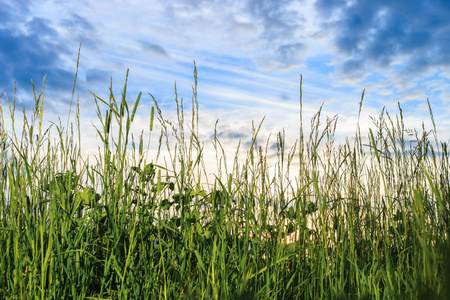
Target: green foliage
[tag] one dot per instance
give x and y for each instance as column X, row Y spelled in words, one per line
column 368, row 220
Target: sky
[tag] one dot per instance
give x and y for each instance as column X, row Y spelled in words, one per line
column 249, row 57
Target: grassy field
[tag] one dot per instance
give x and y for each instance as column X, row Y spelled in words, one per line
column 362, row 220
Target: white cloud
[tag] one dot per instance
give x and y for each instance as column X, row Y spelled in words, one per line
column 249, row 56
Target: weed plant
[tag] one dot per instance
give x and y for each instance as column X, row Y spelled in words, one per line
column 357, row 221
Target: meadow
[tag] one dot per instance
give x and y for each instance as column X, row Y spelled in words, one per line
column 359, row 220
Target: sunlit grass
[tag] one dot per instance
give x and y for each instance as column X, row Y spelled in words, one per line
column 359, row 220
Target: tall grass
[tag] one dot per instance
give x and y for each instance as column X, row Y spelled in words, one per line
column 357, row 221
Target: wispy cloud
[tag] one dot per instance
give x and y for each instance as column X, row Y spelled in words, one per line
column 249, row 55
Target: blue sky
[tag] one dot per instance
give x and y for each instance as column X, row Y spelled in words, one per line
column 249, row 56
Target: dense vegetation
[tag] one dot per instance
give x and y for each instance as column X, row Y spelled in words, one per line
column 130, row 226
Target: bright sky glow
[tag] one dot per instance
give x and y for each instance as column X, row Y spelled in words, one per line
column 249, row 56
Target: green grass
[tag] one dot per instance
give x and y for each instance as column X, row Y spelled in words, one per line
column 129, row 226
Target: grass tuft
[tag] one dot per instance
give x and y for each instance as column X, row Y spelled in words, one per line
column 357, row 221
